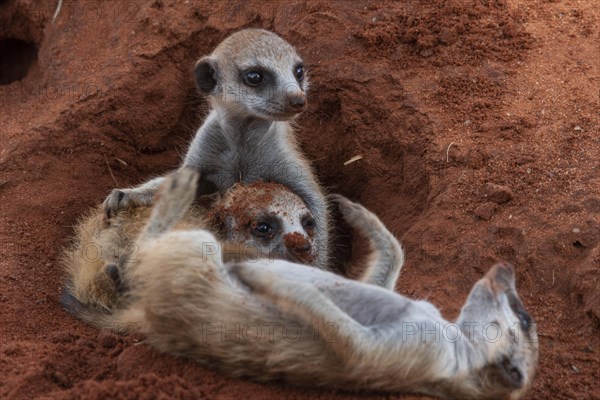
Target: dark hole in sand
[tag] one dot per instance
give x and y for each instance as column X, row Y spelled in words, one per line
column 16, row 57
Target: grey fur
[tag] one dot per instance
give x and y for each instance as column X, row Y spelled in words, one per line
column 248, row 135
column 352, row 335
column 250, row 220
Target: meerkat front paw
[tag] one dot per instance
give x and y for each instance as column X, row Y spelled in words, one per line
column 119, row 199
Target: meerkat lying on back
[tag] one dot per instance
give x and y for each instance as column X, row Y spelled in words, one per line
column 273, row 319
column 256, row 85
column 259, row 219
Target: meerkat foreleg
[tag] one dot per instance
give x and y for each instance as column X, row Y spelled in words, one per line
column 138, row 196
column 348, row 339
column 317, row 204
column 320, row 212
column 387, row 257
column 143, row 195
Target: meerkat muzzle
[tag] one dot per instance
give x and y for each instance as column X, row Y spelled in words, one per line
column 297, row 103
column 299, row 246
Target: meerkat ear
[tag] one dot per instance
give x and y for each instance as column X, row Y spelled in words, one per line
column 206, row 72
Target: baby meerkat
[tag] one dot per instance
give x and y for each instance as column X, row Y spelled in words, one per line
column 260, row 219
column 256, row 84
column 268, row 217
column 274, row 319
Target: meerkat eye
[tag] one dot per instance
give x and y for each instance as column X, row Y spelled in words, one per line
column 308, row 223
column 263, row 229
column 299, row 72
column 253, row 78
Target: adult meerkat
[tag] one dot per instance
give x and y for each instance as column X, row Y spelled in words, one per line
column 273, row 319
column 259, row 219
column 256, row 84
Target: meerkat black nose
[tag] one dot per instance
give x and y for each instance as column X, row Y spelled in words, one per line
column 302, row 248
column 297, row 103
column 297, row 243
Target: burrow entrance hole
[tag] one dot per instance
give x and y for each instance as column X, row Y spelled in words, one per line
column 16, row 58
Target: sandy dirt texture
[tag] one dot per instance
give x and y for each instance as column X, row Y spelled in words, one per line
column 478, row 123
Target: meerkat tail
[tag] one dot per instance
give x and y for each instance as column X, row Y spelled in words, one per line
column 95, row 315
column 386, row 259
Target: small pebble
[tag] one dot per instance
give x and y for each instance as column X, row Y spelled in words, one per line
column 60, row 379
column 485, row 211
column 499, row 194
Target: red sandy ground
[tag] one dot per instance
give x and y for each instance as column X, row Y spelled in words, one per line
column 478, row 123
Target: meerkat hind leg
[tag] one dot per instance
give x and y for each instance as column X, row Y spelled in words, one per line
column 346, row 337
column 387, row 257
column 174, row 198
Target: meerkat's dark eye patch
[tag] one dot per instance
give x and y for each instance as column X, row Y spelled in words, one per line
column 299, row 72
column 262, row 229
column 256, row 76
column 308, row 222
column 264, row 226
